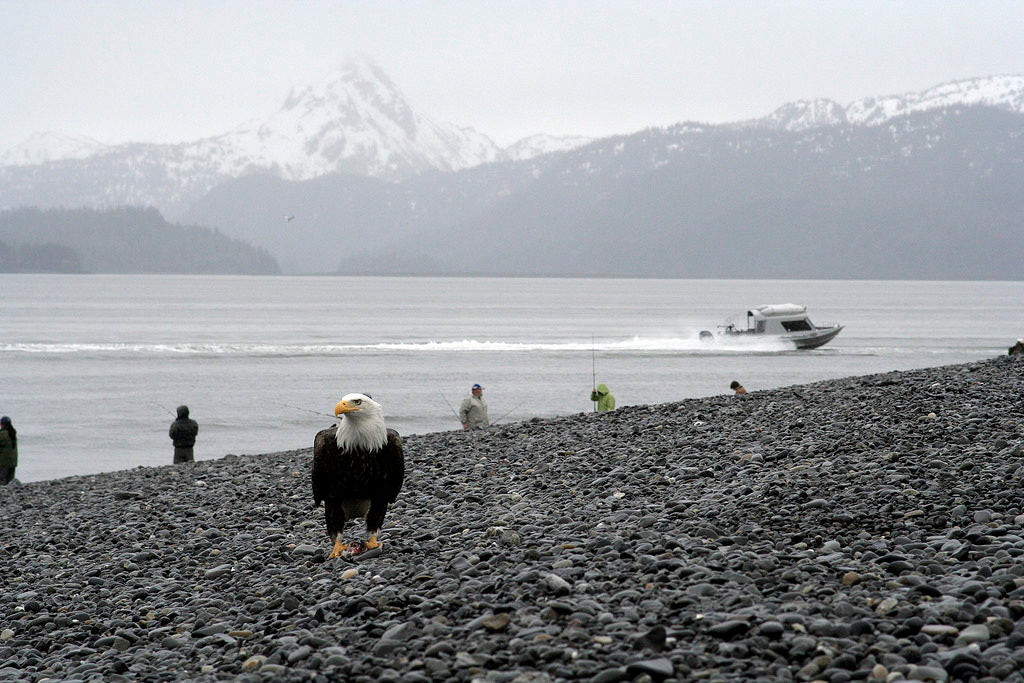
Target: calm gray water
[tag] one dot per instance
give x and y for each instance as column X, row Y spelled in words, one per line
column 91, row 366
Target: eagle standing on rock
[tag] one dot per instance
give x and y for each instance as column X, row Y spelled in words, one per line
column 358, row 469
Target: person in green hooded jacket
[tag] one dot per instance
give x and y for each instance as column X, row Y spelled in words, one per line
column 8, row 450
column 604, row 398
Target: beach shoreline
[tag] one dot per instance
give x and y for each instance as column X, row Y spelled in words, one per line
column 869, row 526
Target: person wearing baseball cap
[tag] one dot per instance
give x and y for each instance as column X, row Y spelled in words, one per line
column 473, row 411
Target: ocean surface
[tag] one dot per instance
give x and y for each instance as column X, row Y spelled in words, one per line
column 92, row 366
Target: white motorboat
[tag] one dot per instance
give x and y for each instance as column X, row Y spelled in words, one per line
column 787, row 322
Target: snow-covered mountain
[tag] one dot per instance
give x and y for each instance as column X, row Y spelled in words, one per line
column 802, row 115
column 536, row 145
column 356, row 122
column 1001, row 92
column 40, row 148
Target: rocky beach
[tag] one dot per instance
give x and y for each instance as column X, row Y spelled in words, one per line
column 862, row 529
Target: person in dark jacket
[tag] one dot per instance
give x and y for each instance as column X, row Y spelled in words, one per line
column 183, row 435
column 8, row 450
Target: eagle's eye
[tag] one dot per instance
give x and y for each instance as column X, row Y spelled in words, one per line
column 358, row 401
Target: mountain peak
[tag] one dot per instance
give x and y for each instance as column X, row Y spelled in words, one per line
column 358, row 76
column 804, row 115
column 356, row 120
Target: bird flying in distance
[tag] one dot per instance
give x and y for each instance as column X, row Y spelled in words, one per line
column 358, row 469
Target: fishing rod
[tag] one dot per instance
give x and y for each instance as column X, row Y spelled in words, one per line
column 163, row 407
column 307, row 410
column 593, row 367
column 508, row 413
column 450, row 407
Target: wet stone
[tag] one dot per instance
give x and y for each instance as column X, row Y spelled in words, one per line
column 771, row 629
column 218, row 571
column 659, row 668
column 729, row 629
column 975, row 633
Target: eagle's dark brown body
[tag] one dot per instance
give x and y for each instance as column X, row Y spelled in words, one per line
column 356, row 482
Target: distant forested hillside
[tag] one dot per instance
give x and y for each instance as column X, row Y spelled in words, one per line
column 38, row 258
column 120, row 240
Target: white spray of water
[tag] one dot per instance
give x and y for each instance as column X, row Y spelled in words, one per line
column 691, row 343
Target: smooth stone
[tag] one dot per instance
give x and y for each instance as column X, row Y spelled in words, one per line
column 851, row 578
column 771, row 629
column 400, row 632
column 218, row 571
column 610, row 676
column 940, row 630
column 299, row 653
column 927, row 673
column 659, row 668
column 211, row 629
column 497, row 622
column 557, row 585
column 975, row 633
column 729, row 629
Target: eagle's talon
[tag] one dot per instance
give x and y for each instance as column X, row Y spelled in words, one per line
column 339, row 548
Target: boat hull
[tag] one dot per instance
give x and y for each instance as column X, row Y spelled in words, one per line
column 811, row 339
column 817, row 337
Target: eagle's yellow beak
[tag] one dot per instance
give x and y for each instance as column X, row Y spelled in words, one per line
column 345, row 407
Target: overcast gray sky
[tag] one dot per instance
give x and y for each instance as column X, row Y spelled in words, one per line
column 175, row 70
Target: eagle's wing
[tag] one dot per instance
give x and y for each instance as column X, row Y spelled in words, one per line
column 392, row 461
column 324, row 447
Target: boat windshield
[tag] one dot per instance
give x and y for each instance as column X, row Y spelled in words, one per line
column 797, row 325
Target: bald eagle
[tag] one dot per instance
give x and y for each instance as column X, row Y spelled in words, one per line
column 358, row 469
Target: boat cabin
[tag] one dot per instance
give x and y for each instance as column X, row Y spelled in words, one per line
column 778, row 319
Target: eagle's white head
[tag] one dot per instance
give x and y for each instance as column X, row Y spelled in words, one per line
column 362, row 423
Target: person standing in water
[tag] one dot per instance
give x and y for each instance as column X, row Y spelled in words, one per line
column 473, row 411
column 183, row 435
column 603, row 396
column 8, row 450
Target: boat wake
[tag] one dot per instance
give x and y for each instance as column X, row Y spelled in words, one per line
column 638, row 344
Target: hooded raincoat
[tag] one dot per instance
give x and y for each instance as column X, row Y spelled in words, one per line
column 604, row 398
